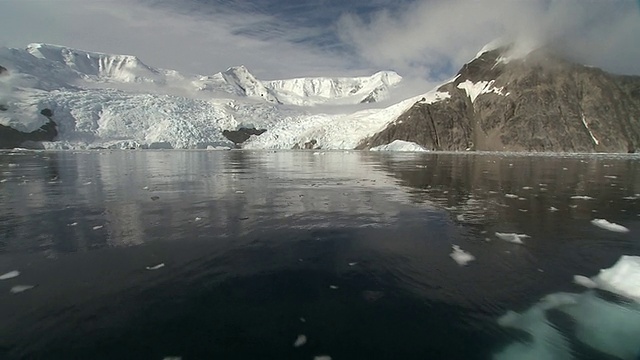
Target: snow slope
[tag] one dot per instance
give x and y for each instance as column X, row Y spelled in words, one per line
column 104, row 100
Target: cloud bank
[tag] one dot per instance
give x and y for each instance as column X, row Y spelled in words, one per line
column 169, row 34
column 433, row 38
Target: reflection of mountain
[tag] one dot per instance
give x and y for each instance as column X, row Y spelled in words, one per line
column 522, row 189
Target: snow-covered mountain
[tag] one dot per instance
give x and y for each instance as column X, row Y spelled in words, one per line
column 104, row 100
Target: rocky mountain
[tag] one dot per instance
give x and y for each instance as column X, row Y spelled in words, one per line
column 538, row 102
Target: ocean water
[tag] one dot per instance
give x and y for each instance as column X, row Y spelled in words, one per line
column 294, row 255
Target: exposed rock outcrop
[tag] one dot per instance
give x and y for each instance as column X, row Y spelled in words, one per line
column 3, row 71
column 241, row 135
column 537, row 103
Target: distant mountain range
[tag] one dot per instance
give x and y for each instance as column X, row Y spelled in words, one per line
column 497, row 102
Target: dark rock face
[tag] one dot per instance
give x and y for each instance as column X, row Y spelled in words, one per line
column 241, row 135
column 539, row 103
column 11, row 138
column 3, row 71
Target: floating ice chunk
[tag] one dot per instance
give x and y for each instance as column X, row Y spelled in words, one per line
column 611, row 328
column 322, row 357
column 303, row 320
column 10, row 275
column 353, row 263
column 604, row 224
column 400, row 145
column 553, row 209
column 333, row 287
column 546, row 340
column 511, row 196
column 72, row 224
column 460, row 256
column 98, row 227
column 512, row 237
column 581, row 197
column 197, row 218
column 300, row 340
column 172, row 358
column 155, row 267
column 623, row 278
column 584, row 281
column 21, row 288
column 239, row 192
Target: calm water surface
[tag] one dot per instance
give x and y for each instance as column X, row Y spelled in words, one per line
column 350, row 249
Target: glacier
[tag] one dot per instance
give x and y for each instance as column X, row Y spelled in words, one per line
column 117, row 101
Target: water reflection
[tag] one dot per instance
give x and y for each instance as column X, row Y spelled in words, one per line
column 357, row 243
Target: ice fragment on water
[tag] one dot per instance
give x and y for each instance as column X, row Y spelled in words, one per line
column 98, row 227
column 20, row 288
column 584, row 281
column 333, row 287
column 512, row 237
column 300, row 340
column 604, row 224
column 10, row 275
column 460, row 256
column 155, row 267
column 322, row 357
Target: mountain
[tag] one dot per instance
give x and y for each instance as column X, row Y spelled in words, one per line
column 535, row 102
column 106, row 100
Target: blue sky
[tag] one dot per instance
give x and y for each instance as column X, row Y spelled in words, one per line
column 426, row 40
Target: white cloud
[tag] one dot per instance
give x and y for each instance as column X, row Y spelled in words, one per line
column 164, row 36
column 435, row 37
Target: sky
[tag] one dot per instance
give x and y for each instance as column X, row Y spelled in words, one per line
column 425, row 40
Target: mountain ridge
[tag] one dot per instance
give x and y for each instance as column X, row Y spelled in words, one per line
column 538, row 102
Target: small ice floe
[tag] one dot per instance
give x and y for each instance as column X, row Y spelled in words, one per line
column 73, row 224
column 604, row 224
column 611, row 176
column 155, row 267
column 460, row 256
column 303, row 320
column 581, row 197
column 300, row 340
column 511, row 196
column 512, row 237
column 527, row 188
column 584, row 281
column 239, row 192
column 10, row 275
column 333, row 287
column 553, row 209
column 460, row 217
column 523, row 210
column 20, row 288
column 98, row 227
column 622, row 278
column 87, row 183
column 4, row 180
column 172, row 358
column 522, row 199
column 353, row 263
column 197, row 218
column 145, row 188
column 322, row 357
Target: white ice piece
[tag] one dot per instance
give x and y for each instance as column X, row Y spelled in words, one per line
column 155, row 267
column 300, row 340
column 460, row 256
column 604, row 224
column 10, row 275
column 512, row 237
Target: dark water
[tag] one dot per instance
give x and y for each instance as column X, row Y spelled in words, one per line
column 349, row 249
